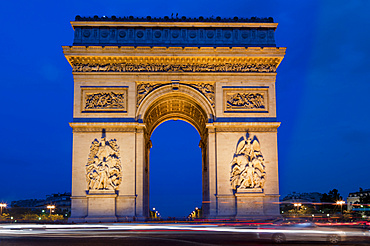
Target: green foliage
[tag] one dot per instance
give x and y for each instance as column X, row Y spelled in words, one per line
column 302, row 210
column 4, row 216
column 42, row 217
column 56, row 217
column 30, row 216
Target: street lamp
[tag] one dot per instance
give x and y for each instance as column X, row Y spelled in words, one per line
column 50, row 207
column 341, row 205
column 2, row 205
column 297, row 205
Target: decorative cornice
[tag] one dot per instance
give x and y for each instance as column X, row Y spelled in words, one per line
column 173, row 19
column 243, row 127
column 109, row 127
column 174, row 64
column 118, row 51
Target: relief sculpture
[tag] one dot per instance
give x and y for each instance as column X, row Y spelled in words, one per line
column 143, row 89
column 165, row 67
column 105, row 100
column 207, row 90
column 103, row 169
column 245, row 101
column 247, row 166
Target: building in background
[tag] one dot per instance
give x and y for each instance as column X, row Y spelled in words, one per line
column 355, row 197
column 61, row 201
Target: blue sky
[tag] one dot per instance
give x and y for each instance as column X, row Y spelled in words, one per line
column 322, row 97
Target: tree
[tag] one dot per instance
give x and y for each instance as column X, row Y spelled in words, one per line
column 329, row 201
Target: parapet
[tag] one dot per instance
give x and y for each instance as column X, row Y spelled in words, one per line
column 169, row 32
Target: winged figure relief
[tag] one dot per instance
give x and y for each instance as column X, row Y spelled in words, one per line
column 247, row 166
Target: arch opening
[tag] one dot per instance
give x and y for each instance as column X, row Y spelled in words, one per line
column 175, row 169
column 176, row 106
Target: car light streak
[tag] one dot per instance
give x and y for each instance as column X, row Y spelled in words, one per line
column 121, row 230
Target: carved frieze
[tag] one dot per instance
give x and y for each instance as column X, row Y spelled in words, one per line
column 247, row 166
column 143, row 89
column 104, row 99
column 244, row 100
column 103, row 168
column 208, row 90
column 173, row 64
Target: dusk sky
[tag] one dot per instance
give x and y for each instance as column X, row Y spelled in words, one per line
column 322, row 91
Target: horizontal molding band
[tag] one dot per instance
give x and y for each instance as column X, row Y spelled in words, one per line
column 245, row 112
column 223, row 119
column 246, row 119
column 245, row 87
column 104, row 120
column 108, row 87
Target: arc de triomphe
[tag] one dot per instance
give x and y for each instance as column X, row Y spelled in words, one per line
column 132, row 74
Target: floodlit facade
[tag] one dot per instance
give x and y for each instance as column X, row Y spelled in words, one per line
column 132, row 74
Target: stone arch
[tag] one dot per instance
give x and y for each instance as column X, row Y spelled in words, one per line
column 190, row 103
column 184, row 103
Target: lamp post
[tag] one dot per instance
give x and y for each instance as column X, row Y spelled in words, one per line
column 2, row 205
column 297, row 205
column 50, row 207
column 341, row 206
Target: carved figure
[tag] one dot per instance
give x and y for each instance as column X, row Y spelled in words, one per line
column 247, row 166
column 103, row 169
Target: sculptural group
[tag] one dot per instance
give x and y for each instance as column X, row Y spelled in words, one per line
column 104, row 166
column 247, row 166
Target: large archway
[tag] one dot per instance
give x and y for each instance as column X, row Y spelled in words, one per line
column 175, row 169
column 182, row 103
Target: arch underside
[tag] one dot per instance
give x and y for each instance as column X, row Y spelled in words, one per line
column 176, row 106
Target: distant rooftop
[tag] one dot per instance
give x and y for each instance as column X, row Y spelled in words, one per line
column 176, row 18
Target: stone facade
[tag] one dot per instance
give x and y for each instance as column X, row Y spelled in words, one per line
column 125, row 85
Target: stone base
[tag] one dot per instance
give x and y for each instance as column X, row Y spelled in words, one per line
column 76, row 220
column 101, row 206
column 248, row 190
column 101, row 219
column 249, row 204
